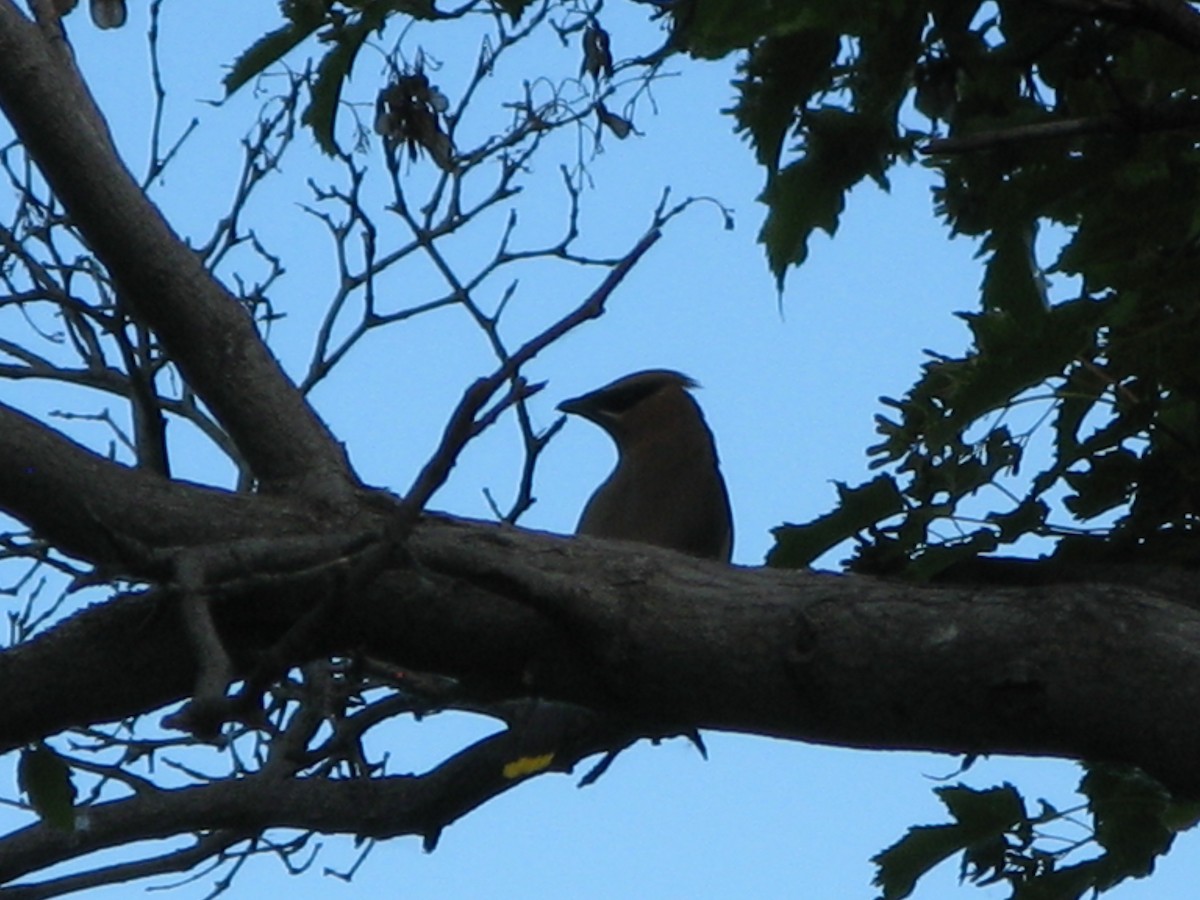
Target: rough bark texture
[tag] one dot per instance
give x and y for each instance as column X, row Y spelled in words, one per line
column 1079, row 670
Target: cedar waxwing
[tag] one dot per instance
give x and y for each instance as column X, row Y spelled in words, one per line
column 667, row 488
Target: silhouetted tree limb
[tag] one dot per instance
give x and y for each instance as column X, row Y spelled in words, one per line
column 207, row 333
column 100, row 510
column 670, row 642
column 553, row 739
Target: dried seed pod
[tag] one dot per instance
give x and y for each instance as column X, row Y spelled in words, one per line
column 408, row 113
column 108, row 13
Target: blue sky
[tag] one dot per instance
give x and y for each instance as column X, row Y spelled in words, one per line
column 789, row 387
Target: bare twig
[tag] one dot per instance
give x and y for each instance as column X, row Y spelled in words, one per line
column 546, row 738
column 163, row 280
column 463, row 425
column 206, row 847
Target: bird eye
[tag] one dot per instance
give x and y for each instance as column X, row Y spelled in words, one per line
column 622, row 398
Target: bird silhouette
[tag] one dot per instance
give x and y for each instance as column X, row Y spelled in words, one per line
column 667, row 487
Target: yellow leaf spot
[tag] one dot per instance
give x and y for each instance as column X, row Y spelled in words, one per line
column 527, row 765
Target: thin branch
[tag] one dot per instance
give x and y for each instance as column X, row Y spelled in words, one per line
column 550, row 738
column 462, row 424
column 1135, row 121
column 206, row 847
column 116, row 383
column 204, row 329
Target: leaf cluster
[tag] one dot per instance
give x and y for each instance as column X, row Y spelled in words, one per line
column 1127, row 821
column 1065, row 140
column 343, row 27
column 1047, row 125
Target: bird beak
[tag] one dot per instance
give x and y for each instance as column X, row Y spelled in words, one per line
column 578, row 406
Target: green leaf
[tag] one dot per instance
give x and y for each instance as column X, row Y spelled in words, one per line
column 841, row 148
column 901, row 865
column 45, row 778
column 1066, row 883
column 983, row 812
column 346, row 31
column 797, row 546
column 1017, row 353
column 711, row 29
column 333, row 71
column 780, row 76
column 305, row 18
column 1076, row 398
column 800, row 200
column 1131, row 812
column 1028, row 518
column 982, row 821
column 1013, row 286
column 934, row 560
column 1108, row 481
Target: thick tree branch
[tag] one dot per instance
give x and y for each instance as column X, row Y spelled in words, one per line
column 97, row 509
column 1077, row 670
column 206, row 332
column 1175, row 20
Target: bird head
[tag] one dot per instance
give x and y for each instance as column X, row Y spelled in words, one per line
column 635, row 406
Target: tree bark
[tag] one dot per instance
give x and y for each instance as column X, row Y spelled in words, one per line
column 206, row 332
column 1097, row 671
